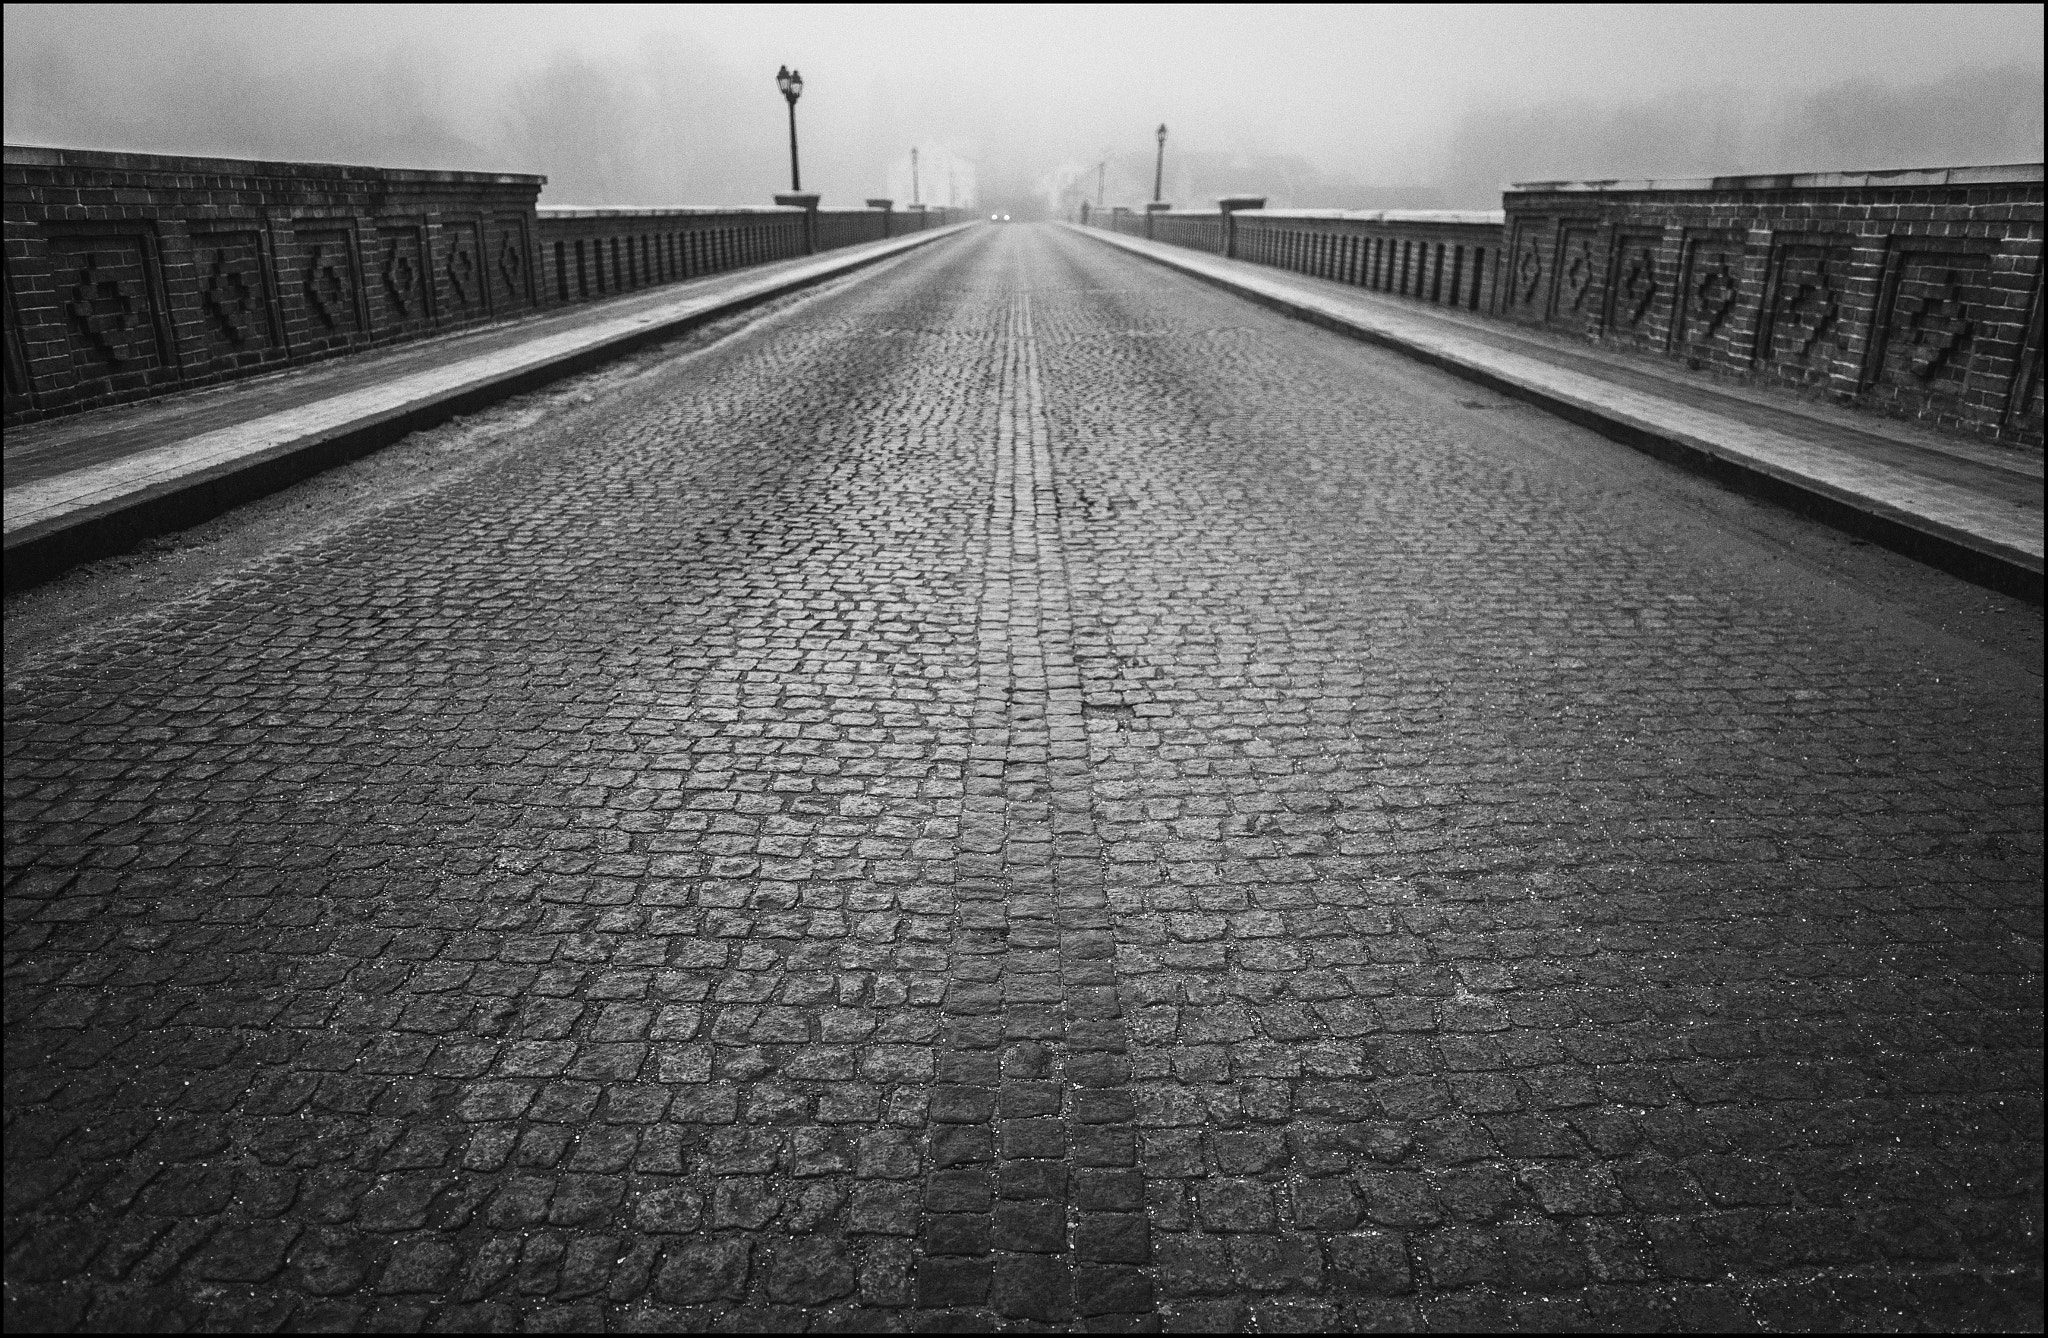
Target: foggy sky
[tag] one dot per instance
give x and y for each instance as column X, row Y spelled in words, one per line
column 1358, row 106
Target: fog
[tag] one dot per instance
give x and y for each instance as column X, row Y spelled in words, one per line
column 1032, row 108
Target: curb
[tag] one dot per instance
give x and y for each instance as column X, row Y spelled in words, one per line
column 36, row 553
column 1974, row 558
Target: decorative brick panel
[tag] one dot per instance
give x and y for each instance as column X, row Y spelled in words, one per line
column 1805, row 323
column 1529, row 269
column 18, row 402
column 237, row 324
column 1575, row 298
column 462, row 273
column 1909, row 292
column 1709, row 291
column 510, row 267
column 1936, row 300
column 400, row 285
column 323, row 270
column 1639, row 288
column 200, row 270
column 109, row 304
column 2022, row 410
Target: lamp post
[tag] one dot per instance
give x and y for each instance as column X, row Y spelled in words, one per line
column 1101, row 170
column 915, row 198
column 792, row 85
column 1158, row 169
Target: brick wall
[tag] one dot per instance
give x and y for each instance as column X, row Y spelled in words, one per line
column 1913, row 293
column 1917, row 293
column 850, row 227
column 131, row 275
column 593, row 253
column 1447, row 257
column 1196, row 231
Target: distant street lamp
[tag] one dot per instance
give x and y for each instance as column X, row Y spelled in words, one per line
column 792, row 85
column 1158, row 169
column 915, row 198
column 1101, row 170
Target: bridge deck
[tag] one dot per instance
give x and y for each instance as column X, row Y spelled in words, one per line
column 1022, row 789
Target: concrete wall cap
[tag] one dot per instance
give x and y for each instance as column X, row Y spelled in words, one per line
column 1993, row 175
column 28, row 155
column 1476, row 217
column 666, row 211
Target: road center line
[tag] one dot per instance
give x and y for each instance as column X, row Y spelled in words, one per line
column 1034, row 1203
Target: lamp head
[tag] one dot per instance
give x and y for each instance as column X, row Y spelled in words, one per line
column 790, row 82
column 1162, row 132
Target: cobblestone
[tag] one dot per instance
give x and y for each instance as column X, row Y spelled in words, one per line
column 1024, row 792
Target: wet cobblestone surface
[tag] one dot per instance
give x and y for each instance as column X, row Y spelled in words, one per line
column 1025, row 793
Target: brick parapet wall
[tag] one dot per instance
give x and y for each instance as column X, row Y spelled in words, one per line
column 134, row 275
column 851, row 227
column 1915, row 293
column 1198, row 231
column 592, row 253
column 1446, row 257
column 130, row 275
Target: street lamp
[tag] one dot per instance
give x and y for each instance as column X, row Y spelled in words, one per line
column 1158, row 170
column 792, row 85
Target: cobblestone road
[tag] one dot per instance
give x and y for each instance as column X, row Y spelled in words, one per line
column 1027, row 791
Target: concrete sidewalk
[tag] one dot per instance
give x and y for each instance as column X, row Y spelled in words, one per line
column 1970, row 508
column 89, row 486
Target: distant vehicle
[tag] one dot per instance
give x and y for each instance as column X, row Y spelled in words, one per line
column 998, row 218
